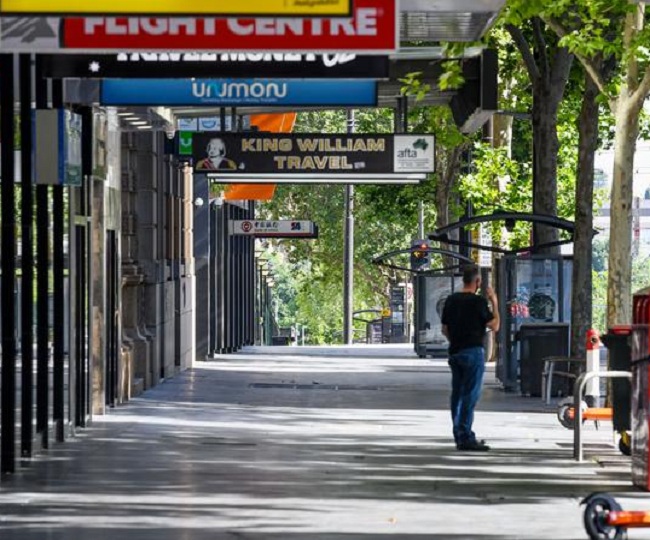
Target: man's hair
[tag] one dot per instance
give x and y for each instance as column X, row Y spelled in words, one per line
column 470, row 273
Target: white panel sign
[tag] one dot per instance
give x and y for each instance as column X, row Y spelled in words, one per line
column 414, row 153
column 269, row 228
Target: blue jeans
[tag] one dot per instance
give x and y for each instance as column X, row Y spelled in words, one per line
column 467, row 368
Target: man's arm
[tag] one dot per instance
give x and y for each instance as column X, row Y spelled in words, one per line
column 495, row 323
column 445, row 331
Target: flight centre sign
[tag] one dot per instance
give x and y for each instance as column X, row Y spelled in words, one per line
column 256, row 8
column 245, row 154
column 371, row 29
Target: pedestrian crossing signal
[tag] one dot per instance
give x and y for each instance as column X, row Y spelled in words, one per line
column 420, row 255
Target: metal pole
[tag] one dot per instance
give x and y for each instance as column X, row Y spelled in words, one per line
column 8, row 269
column 348, row 268
column 578, row 390
column 421, row 220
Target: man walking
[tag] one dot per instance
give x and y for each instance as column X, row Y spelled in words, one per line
column 465, row 317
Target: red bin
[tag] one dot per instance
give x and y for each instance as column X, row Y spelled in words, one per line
column 641, row 389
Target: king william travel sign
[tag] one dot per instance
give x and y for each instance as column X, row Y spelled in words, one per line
column 238, row 92
column 285, row 154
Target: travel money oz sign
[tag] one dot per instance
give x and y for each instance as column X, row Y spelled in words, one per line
column 178, row 7
column 238, row 92
column 371, row 29
column 239, row 154
column 188, row 65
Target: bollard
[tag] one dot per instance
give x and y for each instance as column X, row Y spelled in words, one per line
column 592, row 393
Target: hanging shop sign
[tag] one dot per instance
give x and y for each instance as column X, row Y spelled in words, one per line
column 238, row 92
column 58, row 147
column 188, row 65
column 211, row 123
column 258, row 8
column 481, row 236
column 372, row 29
column 247, row 154
column 273, row 229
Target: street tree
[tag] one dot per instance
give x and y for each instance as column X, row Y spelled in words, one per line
column 548, row 65
column 592, row 29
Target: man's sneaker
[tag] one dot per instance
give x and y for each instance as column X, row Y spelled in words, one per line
column 473, row 446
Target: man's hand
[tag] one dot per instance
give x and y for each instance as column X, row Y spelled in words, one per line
column 492, row 297
column 495, row 322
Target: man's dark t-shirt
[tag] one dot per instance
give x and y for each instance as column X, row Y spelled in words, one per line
column 466, row 315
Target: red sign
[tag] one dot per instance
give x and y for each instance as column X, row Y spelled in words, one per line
column 373, row 28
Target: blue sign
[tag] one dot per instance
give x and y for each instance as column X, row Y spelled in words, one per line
column 238, row 92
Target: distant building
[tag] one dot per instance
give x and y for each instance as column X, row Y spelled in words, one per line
column 641, row 203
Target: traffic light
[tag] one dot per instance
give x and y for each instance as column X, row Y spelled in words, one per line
column 420, row 255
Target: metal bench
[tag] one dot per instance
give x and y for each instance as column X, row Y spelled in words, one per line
column 550, row 371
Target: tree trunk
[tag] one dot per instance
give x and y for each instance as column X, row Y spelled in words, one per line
column 627, row 111
column 447, row 177
column 619, row 284
column 581, row 291
column 545, row 150
column 548, row 67
column 502, row 132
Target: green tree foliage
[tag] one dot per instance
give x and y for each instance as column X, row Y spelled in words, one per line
column 385, row 220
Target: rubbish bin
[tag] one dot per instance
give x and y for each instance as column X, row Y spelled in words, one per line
column 538, row 341
column 640, row 390
column 617, row 341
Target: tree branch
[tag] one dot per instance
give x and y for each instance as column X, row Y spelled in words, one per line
column 540, row 41
column 560, row 73
column 524, row 49
column 588, row 63
column 643, row 91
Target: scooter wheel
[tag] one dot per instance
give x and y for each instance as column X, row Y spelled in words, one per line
column 598, row 505
column 563, row 416
column 563, row 412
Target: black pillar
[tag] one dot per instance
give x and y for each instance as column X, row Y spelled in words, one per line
column 8, row 268
column 213, row 292
column 42, row 287
column 58, row 268
column 220, row 268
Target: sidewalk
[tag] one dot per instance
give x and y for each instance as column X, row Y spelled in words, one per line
column 311, row 444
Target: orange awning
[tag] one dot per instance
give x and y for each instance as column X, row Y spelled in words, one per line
column 274, row 123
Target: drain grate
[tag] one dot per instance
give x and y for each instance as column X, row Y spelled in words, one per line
column 291, row 386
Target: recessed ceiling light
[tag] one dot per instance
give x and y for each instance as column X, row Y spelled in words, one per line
column 144, row 127
column 138, row 122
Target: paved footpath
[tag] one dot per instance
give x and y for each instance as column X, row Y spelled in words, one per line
column 314, row 444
